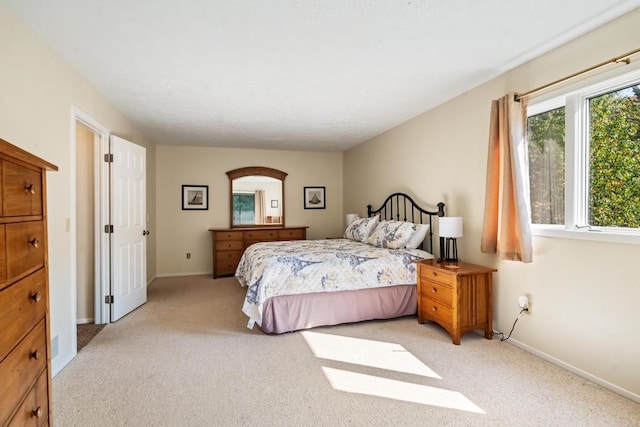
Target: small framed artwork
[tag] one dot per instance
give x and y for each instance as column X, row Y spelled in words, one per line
column 314, row 198
column 274, row 203
column 195, row 197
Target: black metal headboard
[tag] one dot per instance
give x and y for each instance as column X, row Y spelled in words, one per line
column 401, row 207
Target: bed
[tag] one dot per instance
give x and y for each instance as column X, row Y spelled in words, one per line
column 370, row 274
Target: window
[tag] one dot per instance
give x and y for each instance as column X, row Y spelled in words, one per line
column 584, row 158
column 546, row 166
column 244, row 208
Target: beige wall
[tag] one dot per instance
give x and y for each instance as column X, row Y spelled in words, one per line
column 38, row 90
column 584, row 294
column 179, row 231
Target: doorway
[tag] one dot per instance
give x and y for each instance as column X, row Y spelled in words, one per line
column 85, row 224
column 110, row 273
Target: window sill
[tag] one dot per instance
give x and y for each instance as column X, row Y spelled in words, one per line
column 598, row 236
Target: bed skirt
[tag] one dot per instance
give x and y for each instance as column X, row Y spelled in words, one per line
column 288, row 313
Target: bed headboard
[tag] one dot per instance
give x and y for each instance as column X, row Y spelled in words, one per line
column 401, row 207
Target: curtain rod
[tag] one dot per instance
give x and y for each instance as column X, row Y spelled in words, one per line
column 618, row 59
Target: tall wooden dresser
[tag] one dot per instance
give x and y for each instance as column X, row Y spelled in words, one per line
column 230, row 243
column 25, row 354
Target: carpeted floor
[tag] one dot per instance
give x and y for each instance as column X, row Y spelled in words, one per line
column 186, row 358
column 86, row 332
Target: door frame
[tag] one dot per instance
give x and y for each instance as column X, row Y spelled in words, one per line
column 102, row 266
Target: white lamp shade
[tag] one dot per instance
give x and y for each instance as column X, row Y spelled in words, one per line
column 351, row 217
column 450, row 226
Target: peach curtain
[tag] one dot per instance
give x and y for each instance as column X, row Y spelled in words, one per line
column 507, row 211
column 260, row 207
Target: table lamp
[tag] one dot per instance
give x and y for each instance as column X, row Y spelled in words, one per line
column 450, row 228
column 351, row 217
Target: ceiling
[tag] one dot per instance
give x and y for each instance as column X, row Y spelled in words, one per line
column 320, row 75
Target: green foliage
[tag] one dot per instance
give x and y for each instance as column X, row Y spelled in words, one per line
column 614, row 181
column 243, row 208
column 614, row 161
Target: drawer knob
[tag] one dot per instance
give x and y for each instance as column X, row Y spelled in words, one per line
column 34, row 242
column 434, row 308
column 34, row 354
column 434, row 274
column 29, row 189
column 38, row 412
column 434, row 290
column 36, row 296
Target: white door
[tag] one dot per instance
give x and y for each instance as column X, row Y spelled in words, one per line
column 128, row 217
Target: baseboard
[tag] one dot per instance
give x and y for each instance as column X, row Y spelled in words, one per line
column 85, row 321
column 577, row 371
column 209, row 273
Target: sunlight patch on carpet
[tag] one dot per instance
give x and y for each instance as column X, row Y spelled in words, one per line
column 375, row 354
column 370, row 385
column 387, row 356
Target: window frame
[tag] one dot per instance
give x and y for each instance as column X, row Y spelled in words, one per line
column 574, row 99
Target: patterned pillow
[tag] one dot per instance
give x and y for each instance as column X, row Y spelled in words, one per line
column 392, row 234
column 418, row 237
column 360, row 229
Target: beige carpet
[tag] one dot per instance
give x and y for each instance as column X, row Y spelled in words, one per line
column 186, row 358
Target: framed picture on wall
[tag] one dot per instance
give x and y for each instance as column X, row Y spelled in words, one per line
column 274, row 203
column 314, row 198
column 195, row 197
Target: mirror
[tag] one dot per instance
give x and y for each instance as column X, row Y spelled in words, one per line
column 256, row 197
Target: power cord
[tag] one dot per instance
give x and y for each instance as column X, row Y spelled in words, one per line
column 502, row 337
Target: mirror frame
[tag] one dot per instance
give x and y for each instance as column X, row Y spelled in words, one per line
column 255, row 171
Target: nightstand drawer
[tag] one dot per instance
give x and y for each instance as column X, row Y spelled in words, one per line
column 438, row 291
column 437, row 276
column 437, row 311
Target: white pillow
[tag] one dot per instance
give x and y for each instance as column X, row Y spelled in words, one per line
column 392, row 234
column 360, row 229
column 418, row 237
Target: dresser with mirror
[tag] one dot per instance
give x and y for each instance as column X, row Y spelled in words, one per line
column 256, row 214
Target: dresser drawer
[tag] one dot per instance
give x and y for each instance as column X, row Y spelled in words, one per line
column 293, row 234
column 26, row 243
column 21, row 190
column 227, row 262
column 435, row 290
column 35, row 408
column 261, row 235
column 228, row 235
column 437, row 276
column 22, row 305
column 21, row 368
column 229, row 245
column 436, row 311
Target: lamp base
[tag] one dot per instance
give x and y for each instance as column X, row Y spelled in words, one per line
column 450, row 250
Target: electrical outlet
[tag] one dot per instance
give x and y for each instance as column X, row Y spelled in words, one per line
column 524, row 303
column 188, row 255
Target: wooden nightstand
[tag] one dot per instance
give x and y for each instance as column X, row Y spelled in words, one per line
column 457, row 296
